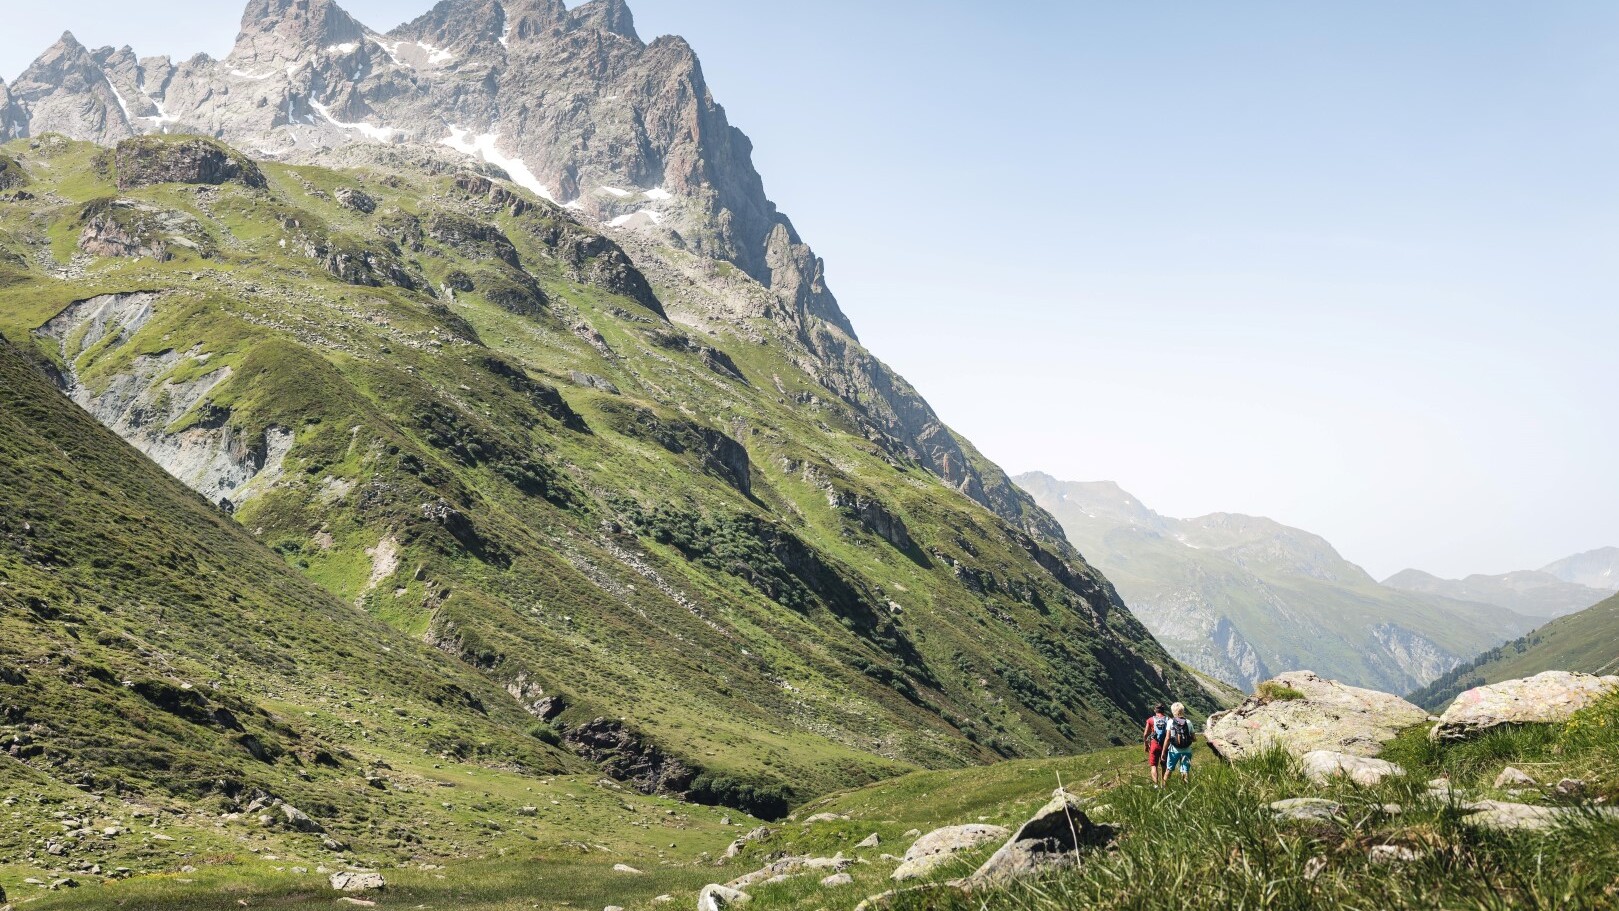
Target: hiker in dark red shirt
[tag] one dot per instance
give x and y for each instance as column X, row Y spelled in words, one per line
column 1153, row 735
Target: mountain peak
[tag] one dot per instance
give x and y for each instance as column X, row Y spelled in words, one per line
column 285, row 28
column 607, row 15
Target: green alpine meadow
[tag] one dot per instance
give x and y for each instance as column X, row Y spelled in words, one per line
column 434, row 474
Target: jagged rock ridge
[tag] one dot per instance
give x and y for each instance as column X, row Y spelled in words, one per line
column 572, row 104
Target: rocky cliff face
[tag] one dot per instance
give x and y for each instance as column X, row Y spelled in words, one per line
column 571, row 104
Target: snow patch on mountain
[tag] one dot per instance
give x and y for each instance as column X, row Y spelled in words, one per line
column 483, row 146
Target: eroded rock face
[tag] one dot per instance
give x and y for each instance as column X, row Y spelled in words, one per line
column 1330, row 716
column 1547, row 698
column 146, row 161
column 144, row 403
column 940, row 846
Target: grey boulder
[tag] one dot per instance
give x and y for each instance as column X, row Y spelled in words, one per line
column 1330, row 716
column 936, row 848
column 1052, row 839
column 1547, row 698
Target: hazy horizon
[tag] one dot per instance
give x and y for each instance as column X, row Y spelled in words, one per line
column 1350, row 269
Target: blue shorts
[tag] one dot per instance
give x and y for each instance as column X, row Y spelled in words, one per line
column 1178, row 759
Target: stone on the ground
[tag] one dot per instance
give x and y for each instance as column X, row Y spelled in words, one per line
column 1571, row 787
column 349, row 881
column 838, row 879
column 1052, row 839
column 887, row 899
column 299, row 820
column 1321, row 766
column 626, row 868
column 1546, row 698
column 1500, row 814
column 826, row 817
column 1305, row 808
column 936, row 848
column 1512, row 777
column 715, row 897
column 912, row 833
column 1392, row 854
column 1330, row 716
column 782, row 868
column 870, row 841
column 613, row 908
column 741, row 843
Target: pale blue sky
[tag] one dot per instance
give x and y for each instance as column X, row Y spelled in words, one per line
column 1352, row 268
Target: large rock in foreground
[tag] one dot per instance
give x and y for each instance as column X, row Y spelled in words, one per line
column 1547, row 698
column 1326, row 715
column 940, row 846
column 1050, row 840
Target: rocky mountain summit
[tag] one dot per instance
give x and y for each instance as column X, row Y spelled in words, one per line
column 636, row 474
column 1236, row 596
column 571, row 104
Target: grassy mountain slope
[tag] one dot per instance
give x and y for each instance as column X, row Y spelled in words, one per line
column 1587, row 642
column 453, row 405
column 164, row 678
column 1244, row 598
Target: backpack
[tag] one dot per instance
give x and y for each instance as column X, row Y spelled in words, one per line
column 1180, row 734
column 1159, row 726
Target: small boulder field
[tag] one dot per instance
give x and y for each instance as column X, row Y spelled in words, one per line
column 1311, row 794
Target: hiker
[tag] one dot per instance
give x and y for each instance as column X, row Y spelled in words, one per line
column 1178, row 742
column 1152, row 737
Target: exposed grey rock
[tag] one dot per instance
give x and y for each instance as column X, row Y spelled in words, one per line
column 66, row 91
column 350, row 881
column 1571, row 787
column 825, row 817
column 1499, row 814
column 626, row 868
column 1052, row 839
column 737, row 847
column 1512, row 777
column 1546, row 698
column 1332, row 716
column 838, row 879
column 870, row 841
column 1321, row 766
column 356, row 199
column 782, row 868
column 1298, row 809
column 1392, row 854
column 938, row 847
column 299, row 820
column 144, row 161
column 715, row 897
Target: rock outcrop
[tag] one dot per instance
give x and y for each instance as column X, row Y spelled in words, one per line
column 940, row 846
column 150, row 160
column 1327, row 715
column 1546, row 698
column 1055, row 837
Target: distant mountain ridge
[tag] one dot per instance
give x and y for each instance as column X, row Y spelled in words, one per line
column 1242, row 597
column 1535, row 593
column 1586, row 642
column 1595, row 568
